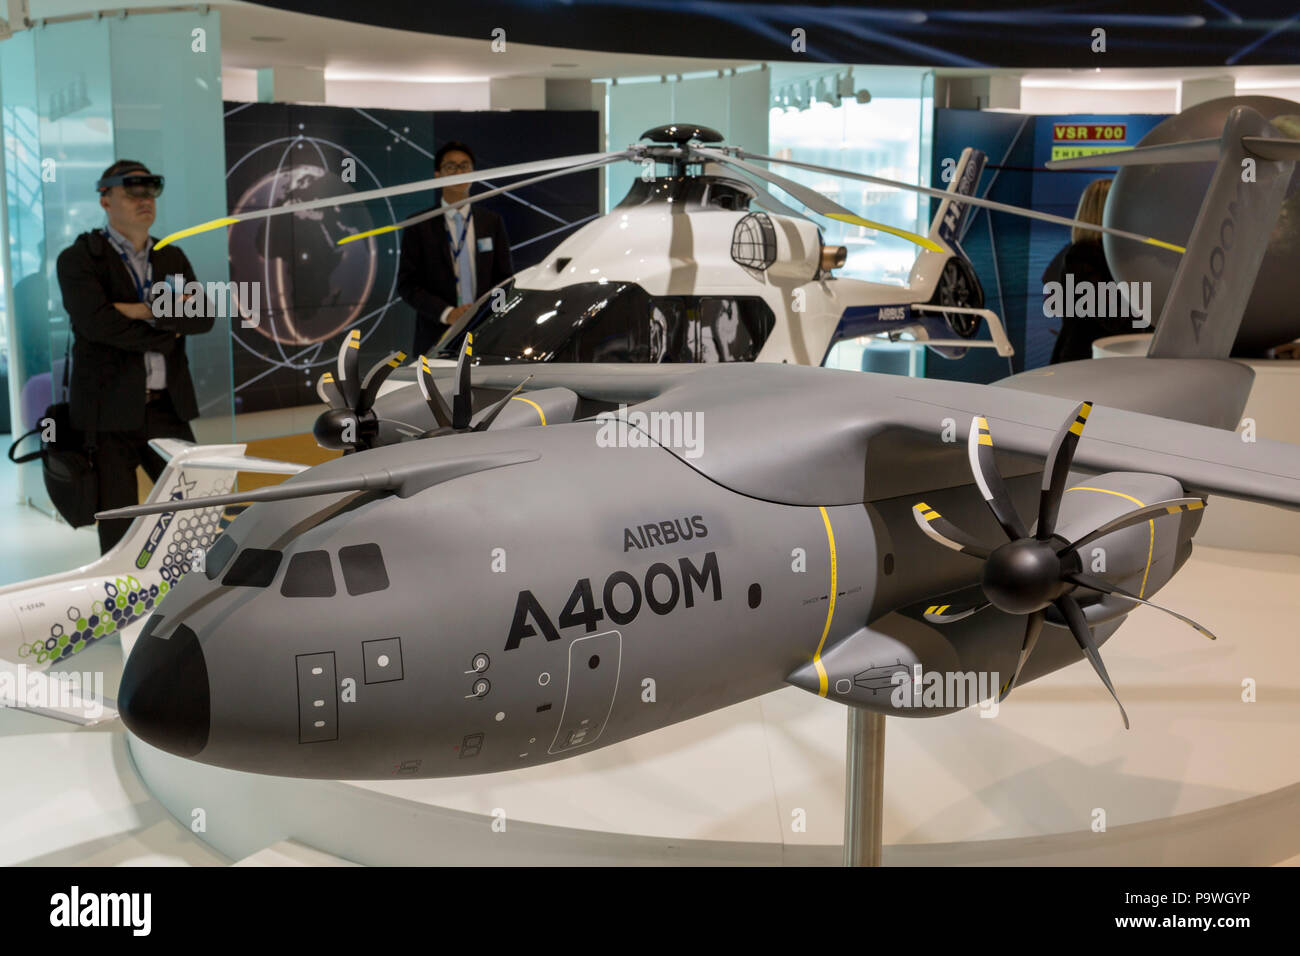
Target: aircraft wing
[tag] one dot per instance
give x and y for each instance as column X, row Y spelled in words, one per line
column 609, row 382
column 1202, row 459
column 53, row 694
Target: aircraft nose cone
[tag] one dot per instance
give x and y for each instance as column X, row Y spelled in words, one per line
column 163, row 697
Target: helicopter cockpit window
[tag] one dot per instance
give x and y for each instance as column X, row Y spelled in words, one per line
column 309, row 575
column 254, row 568
column 363, row 568
column 222, row 550
column 708, row 329
column 614, row 322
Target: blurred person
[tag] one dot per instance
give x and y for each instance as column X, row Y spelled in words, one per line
column 130, row 378
column 449, row 261
column 1085, row 259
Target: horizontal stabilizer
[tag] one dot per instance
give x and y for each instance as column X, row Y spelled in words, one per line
column 229, row 457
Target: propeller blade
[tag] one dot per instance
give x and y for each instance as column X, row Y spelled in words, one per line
column 1171, row 506
column 329, row 391
column 1033, row 627
column 979, row 448
column 375, row 378
column 939, row 529
column 1096, row 584
column 462, row 401
column 1074, row 617
column 437, row 182
column 948, row 613
column 429, row 389
column 970, row 200
column 349, row 362
column 815, row 200
column 486, row 421
column 443, row 210
column 1056, row 470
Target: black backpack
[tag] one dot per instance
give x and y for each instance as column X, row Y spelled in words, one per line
column 67, row 463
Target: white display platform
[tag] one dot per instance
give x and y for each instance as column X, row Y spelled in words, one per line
column 1202, row 778
column 1274, row 400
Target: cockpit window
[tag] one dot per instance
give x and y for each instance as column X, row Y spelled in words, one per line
column 254, row 568
column 222, row 550
column 309, row 575
column 363, row 568
column 613, row 322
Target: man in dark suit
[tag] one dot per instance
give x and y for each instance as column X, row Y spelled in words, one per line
column 130, row 377
column 449, row 261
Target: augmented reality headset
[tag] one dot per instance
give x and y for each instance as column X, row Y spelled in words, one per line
column 138, row 185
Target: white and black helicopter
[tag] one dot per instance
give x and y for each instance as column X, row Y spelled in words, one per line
column 700, row 263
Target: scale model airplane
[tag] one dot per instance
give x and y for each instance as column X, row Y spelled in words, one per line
column 47, row 620
column 502, row 597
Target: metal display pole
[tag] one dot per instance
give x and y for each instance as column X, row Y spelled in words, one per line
column 864, row 788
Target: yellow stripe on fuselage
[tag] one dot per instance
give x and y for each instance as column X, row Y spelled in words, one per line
column 1151, row 528
column 822, row 681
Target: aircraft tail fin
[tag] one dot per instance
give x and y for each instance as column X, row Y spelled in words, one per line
column 1207, row 300
column 163, row 542
column 950, row 218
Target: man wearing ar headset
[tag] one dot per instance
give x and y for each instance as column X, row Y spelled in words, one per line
column 130, row 379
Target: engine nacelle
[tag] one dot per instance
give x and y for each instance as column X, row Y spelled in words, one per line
column 1140, row 559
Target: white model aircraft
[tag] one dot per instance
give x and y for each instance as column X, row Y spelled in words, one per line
column 44, row 621
column 683, row 271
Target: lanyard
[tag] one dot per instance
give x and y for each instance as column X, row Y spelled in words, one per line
column 141, row 286
column 459, row 243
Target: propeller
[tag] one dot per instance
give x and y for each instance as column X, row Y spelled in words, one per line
column 457, row 418
column 350, row 423
column 1028, row 574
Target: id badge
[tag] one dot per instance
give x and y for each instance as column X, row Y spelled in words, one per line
column 485, row 245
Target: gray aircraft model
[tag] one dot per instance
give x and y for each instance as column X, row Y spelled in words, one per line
column 678, row 539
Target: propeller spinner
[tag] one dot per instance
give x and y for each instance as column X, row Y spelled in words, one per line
column 1028, row 574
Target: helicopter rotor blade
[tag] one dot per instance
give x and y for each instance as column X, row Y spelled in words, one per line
column 452, row 207
column 437, row 182
column 971, row 200
column 815, row 200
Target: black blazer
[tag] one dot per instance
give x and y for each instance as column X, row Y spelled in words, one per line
column 426, row 278
column 107, row 384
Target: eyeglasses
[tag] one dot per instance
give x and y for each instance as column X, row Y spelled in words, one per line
column 465, row 167
column 135, row 185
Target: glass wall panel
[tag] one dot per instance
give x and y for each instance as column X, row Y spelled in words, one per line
column 168, row 115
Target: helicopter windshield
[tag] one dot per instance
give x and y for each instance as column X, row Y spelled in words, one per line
column 612, row 322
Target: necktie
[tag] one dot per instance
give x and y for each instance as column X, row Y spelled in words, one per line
column 464, row 276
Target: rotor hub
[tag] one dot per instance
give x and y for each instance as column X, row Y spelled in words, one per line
column 1023, row 576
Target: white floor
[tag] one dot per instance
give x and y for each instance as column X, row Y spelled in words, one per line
column 1202, row 777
